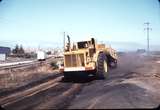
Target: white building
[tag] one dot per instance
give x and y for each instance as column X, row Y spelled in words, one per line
column 4, row 51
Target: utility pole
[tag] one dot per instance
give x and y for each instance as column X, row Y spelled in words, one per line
column 148, row 29
column 64, row 41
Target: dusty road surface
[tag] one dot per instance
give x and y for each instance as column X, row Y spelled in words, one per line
column 134, row 84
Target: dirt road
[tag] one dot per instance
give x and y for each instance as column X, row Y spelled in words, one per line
column 134, row 84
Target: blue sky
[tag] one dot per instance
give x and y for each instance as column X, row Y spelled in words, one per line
column 42, row 22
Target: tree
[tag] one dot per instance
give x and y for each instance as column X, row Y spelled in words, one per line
column 15, row 50
column 21, row 50
column 49, row 53
column 18, row 50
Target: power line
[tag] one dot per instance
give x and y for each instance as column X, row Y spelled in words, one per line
column 148, row 30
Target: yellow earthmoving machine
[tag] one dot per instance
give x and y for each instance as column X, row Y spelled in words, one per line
column 88, row 57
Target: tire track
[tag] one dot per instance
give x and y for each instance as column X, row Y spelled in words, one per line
column 29, row 92
column 51, row 94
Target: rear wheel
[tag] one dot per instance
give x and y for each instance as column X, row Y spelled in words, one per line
column 102, row 66
column 113, row 64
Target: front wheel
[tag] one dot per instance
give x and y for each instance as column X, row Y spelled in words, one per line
column 102, row 66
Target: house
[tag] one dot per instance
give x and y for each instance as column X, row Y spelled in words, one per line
column 4, row 52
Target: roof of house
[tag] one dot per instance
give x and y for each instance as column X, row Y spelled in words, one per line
column 5, row 50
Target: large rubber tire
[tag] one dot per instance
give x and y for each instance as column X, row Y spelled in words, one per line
column 102, row 66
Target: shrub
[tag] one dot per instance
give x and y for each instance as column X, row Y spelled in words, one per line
column 54, row 65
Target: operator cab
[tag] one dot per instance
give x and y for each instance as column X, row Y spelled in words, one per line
column 86, row 44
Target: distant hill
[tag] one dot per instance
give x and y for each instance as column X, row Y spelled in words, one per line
column 131, row 46
column 10, row 44
column 119, row 46
column 31, row 44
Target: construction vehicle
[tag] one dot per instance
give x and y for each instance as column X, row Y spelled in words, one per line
column 88, row 57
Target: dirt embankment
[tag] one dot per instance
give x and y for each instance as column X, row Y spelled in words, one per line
column 13, row 78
